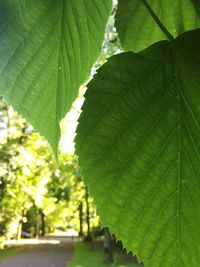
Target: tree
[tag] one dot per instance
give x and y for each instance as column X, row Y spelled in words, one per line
column 138, row 135
column 36, row 194
column 13, row 135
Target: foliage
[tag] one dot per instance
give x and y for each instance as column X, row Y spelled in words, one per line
column 33, row 185
column 164, row 181
column 137, row 30
column 138, row 137
column 11, row 198
column 68, row 190
column 43, row 63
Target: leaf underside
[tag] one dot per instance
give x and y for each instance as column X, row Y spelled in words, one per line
column 138, row 143
column 47, row 49
column 137, row 30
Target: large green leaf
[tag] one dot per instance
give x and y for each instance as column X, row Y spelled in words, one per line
column 137, row 29
column 47, row 49
column 139, row 148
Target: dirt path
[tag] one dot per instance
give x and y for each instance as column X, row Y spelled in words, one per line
column 42, row 255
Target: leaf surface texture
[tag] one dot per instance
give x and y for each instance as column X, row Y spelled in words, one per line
column 47, row 49
column 139, row 149
column 137, row 30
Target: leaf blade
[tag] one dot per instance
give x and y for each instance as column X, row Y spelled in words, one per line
column 45, row 49
column 139, row 157
column 137, row 30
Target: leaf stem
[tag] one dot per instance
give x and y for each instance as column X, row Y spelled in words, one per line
column 158, row 22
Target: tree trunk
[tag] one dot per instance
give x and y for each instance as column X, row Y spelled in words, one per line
column 81, row 219
column 43, row 222
column 20, row 225
column 37, row 223
column 19, row 230
column 108, row 255
column 88, row 237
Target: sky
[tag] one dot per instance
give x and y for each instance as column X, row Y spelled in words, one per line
column 68, row 126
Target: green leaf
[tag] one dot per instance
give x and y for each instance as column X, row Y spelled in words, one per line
column 137, row 30
column 139, row 149
column 47, row 49
column 197, row 5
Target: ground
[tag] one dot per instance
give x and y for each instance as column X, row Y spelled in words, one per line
column 61, row 252
column 42, row 255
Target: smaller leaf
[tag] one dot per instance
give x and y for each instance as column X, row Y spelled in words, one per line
column 137, row 29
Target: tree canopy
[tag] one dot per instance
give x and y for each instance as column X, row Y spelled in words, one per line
column 37, row 195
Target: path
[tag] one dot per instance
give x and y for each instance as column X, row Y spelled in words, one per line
column 42, row 255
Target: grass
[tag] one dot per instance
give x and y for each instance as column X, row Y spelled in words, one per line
column 8, row 252
column 84, row 256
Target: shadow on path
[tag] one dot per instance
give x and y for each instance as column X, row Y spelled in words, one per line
column 42, row 255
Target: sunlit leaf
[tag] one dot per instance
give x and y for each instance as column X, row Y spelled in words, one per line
column 139, row 148
column 137, row 30
column 47, row 49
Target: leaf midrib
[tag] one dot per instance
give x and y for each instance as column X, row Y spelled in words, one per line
column 57, row 113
